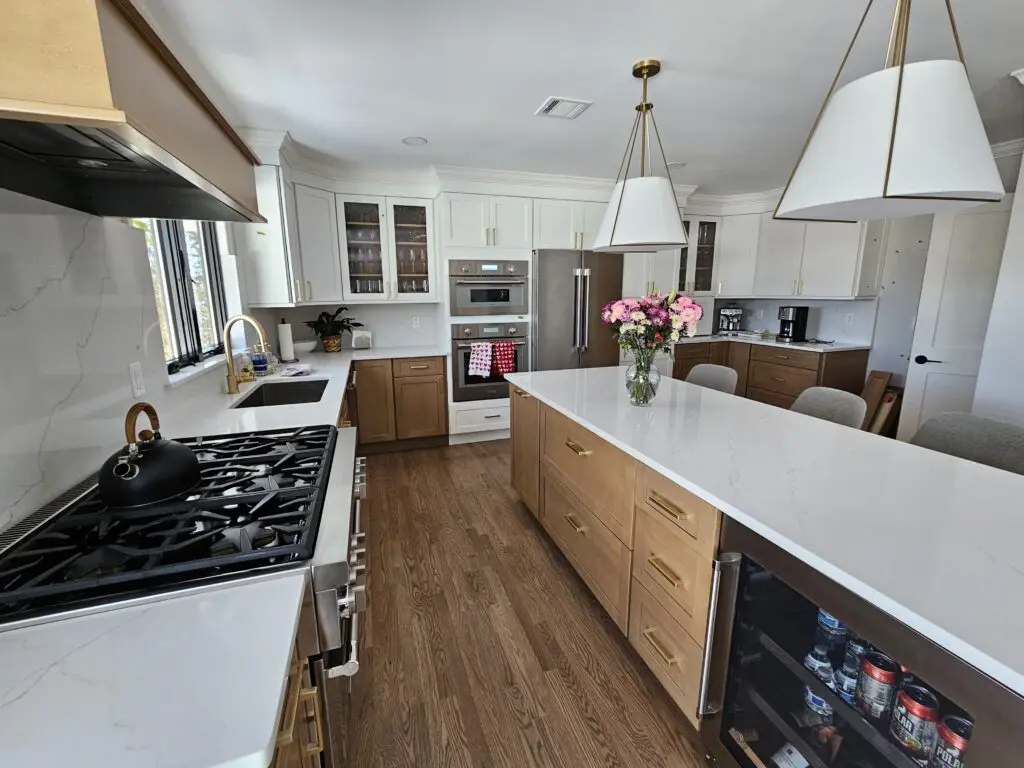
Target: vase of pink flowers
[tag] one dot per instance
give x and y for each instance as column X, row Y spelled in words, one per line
column 646, row 326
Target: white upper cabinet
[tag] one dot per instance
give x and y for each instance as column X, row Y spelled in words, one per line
column 737, row 258
column 411, row 240
column 566, row 223
column 317, row 237
column 830, row 258
column 481, row 221
column 273, row 275
column 647, row 273
column 780, row 249
column 699, row 257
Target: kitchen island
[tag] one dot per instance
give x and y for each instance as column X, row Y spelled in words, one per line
column 925, row 538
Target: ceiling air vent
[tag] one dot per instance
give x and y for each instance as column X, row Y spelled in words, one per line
column 566, row 109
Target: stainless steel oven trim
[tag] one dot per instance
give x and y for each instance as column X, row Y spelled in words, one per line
column 491, row 281
column 997, row 711
column 514, row 343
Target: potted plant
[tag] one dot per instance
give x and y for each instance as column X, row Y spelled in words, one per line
column 331, row 327
column 645, row 327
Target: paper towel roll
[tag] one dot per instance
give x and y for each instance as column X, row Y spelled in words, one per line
column 284, row 341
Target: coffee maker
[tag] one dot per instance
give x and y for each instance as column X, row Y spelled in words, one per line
column 729, row 320
column 792, row 324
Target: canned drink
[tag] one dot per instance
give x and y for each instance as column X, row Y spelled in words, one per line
column 876, row 686
column 953, row 736
column 915, row 720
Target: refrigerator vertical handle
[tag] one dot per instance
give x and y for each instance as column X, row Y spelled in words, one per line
column 586, row 310
column 577, row 300
column 724, row 601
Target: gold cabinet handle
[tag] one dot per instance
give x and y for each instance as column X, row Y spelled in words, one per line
column 661, row 567
column 719, row 287
column 794, row 287
column 665, row 506
column 579, row 528
column 524, row 395
column 418, row 367
column 286, row 735
column 800, row 288
column 653, row 641
column 577, row 448
column 783, row 357
column 310, row 694
column 778, row 378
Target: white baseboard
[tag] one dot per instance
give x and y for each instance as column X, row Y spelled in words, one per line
column 479, row 437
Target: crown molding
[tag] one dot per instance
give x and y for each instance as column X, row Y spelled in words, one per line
column 734, row 205
column 1008, row 148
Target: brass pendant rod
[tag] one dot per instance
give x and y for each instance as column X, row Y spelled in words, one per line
column 645, row 146
column 956, row 34
column 831, row 90
column 902, row 53
column 890, row 58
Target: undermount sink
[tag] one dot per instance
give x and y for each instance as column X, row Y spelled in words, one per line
column 284, row 393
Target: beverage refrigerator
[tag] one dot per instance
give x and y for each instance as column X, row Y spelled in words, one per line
column 768, row 699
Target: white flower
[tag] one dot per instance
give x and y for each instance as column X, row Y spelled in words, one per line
column 674, row 336
column 677, row 322
column 637, row 316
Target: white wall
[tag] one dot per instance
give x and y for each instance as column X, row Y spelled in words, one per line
column 1000, row 389
column 826, row 320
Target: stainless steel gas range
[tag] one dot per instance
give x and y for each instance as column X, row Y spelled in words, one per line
column 262, row 506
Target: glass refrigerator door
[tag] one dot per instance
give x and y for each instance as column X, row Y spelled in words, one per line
column 803, row 690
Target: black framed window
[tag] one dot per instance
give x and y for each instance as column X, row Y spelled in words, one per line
column 184, row 262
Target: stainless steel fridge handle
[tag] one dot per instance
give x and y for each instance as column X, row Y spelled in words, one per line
column 586, row 309
column 728, row 561
column 577, row 298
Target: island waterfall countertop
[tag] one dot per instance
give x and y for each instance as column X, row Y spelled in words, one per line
column 930, row 539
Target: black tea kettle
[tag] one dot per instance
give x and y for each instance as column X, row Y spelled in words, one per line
column 148, row 469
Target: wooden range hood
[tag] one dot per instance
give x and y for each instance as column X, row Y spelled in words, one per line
column 96, row 114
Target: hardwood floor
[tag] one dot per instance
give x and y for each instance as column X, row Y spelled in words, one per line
column 481, row 646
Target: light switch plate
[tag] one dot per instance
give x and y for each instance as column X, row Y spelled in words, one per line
column 138, row 381
column 416, row 321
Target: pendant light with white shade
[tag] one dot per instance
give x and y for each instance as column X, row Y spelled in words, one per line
column 903, row 141
column 643, row 213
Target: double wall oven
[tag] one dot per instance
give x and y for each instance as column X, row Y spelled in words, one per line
column 478, row 288
column 801, row 672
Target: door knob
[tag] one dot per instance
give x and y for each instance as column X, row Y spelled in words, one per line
column 921, row 360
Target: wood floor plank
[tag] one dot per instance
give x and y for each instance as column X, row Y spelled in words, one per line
column 481, row 647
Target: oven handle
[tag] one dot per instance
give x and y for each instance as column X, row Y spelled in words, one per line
column 514, row 343
column 577, row 297
column 727, row 562
column 498, row 281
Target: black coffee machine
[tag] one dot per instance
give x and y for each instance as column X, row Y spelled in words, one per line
column 792, row 324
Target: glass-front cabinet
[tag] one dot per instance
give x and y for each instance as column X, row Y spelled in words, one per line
column 387, row 249
column 698, row 259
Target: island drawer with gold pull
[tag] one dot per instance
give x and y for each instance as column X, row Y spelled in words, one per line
column 597, row 472
column 697, row 519
column 796, row 358
column 417, row 366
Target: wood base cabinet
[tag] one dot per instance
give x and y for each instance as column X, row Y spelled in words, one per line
column 375, row 395
column 402, row 399
column 526, row 448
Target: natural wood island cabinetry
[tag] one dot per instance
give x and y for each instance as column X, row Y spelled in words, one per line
column 643, row 545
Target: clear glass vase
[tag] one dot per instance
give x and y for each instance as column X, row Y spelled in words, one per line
column 642, row 379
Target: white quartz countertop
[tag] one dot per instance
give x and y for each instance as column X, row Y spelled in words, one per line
column 187, row 681
column 807, row 346
column 933, row 540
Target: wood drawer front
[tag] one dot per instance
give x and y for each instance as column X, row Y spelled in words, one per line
column 673, row 572
column 795, row 358
column 781, row 378
column 418, row 366
column 771, row 398
column 667, row 649
column 694, row 517
column 598, row 473
column 594, row 551
column 700, row 349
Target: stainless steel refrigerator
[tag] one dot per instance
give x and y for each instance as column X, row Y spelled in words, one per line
column 569, row 289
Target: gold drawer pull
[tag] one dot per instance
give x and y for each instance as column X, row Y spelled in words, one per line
column 783, row 357
column 662, row 504
column 520, row 393
column 310, row 694
column 579, row 528
column 286, row 735
column 577, row 448
column 659, row 648
column 659, row 565
column 777, row 378
column 418, row 367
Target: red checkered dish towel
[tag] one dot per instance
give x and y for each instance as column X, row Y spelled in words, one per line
column 504, row 357
column 479, row 358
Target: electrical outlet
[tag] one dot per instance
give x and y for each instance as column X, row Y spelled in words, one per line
column 138, row 381
column 416, row 321
column 850, row 318
column 759, row 314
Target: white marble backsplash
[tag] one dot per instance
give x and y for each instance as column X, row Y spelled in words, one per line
column 76, row 307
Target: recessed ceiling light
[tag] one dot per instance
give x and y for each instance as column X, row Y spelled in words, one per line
column 414, row 141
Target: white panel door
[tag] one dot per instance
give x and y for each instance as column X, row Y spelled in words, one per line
column 662, row 271
column 779, row 250
column 589, row 218
column 636, row 280
column 737, row 259
column 956, row 300
column 512, row 222
column 831, row 254
column 554, row 224
column 317, row 220
column 466, row 220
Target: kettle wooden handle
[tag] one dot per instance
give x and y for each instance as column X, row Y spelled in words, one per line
column 133, row 416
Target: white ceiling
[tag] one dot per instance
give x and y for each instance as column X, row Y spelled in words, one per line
column 741, row 84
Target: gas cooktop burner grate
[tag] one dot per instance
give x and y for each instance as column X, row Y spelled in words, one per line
column 257, row 505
